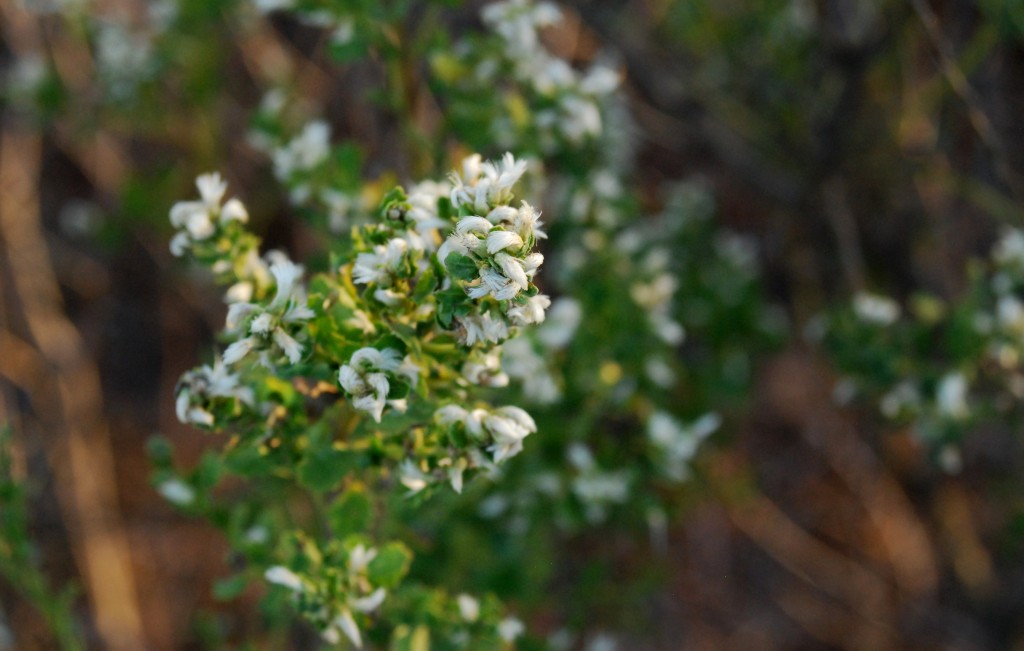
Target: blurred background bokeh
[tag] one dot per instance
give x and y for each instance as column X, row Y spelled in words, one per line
column 858, row 145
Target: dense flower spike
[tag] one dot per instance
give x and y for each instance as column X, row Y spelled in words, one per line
column 491, row 245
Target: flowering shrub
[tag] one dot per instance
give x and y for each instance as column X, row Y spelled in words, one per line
column 428, row 373
column 944, row 366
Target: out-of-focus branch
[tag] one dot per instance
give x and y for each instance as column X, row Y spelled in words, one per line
column 81, row 454
column 962, row 87
column 836, row 205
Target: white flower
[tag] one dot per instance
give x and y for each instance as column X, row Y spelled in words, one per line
column 282, row 576
column 485, row 370
column 677, row 444
column 513, row 269
column 522, row 363
column 510, row 628
column 951, row 396
column 365, row 380
column 379, row 266
column 599, row 80
column 360, row 557
column 602, row 642
column 177, row 492
column 304, row 152
column 347, row 625
column 455, row 474
column 197, row 220
column 499, row 240
column 370, row 602
column 469, row 608
column 493, row 283
column 482, row 328
column 484, row 186
column 902, row 398
column 875, row 309
column 197, row 387
column 1009, row 251
column 239, row 349
column 412, row 477
column 560, row 324
column 530, row 313
column 508, row 426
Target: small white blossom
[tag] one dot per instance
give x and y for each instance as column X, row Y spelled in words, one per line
column 484, row 369
column 469, row 607
column 282, row 576
column 304, row 152
column 510, row 628
column 951, row 396
column 481, row 328
column 902, row 398
column 677, row 444
column 347, row 625
column 380, row 265
column 365, row 379
column 530, row 313
column 523, row 364
column 268, row 325
column 875, row 309
column 177, row 492
column 198, row 220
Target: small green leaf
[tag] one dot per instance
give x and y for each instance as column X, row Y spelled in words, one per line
column 350, row 513
column 398, row 390
column 229, row 588
column 390, row 565
column 323, row 468
column 461, row 267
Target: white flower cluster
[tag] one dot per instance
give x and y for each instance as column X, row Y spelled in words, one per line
column 529, row 359
column 496, row 237
column 303, row 153
column 676, row 444
column 270, row 328
column 198, row 221
column 876, row 309
column 302, row 162
column 366, row 379
column 573, row 111
column 360, row 595
column 655, row 296
column 124, row 57
column 199, row 387
column 494, row 435
column 595, row 488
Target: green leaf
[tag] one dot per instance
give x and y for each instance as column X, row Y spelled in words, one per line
column 323, row 468
column 350, row 513
column 160, row 451
column 247, row 461
column 229, row 588
column 425, row 286
column 390, row 565
column 461, row 267
column 398, row 390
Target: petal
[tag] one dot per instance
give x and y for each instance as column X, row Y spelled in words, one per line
column 238, row 350
column 234, row 210
column 370, row 602
column 499, row 240
column 348, row 626
column 292, row 349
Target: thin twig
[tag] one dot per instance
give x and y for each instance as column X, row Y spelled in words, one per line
column 962, row 87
